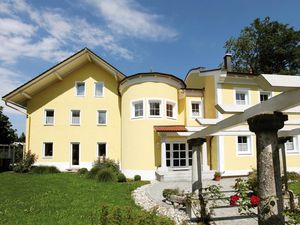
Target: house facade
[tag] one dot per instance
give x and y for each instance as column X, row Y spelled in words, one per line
column 84, row 108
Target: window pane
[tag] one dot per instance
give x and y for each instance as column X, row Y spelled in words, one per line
column 175, row 146
column 80, row 87
column 176, row 155
column 168, row 147
column 48, row 149
column 169, row 109
column 101, row 149
column 243, row 144
column 240, row 98
column 182, row 146
column 290, row 144
column 182, row 162
column 182, row 155
column 190, row 162
column 138, row 109
column 154, row 108
column 49, row 117
column 196, row 109
column 75, row 117
column 168, row 162
column 176, row 162
column 101, row 117
column 99, row 89
column 168, row 155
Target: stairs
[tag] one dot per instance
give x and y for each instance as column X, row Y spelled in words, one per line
column 181, row 175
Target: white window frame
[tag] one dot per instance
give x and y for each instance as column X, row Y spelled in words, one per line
column 71, row 117
column 249, row 150
column 106, row 149
column 98, row 111
column 80, row 82
column 132, row 108
column 264, row 93
column 200, row 103
column 71, row 154
column 173, row 103
column 95, row 88
column 161, row 106
column 242, row 91
column 45, row 117
column 43, row 153
column 295, row 143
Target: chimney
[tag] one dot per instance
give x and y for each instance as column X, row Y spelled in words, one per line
column 228, row 62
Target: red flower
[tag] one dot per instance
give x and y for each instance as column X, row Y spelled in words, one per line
column 233, row 199
column 254, row 200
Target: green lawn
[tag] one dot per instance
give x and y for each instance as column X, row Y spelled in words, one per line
column 295, row 186
column 63, row 198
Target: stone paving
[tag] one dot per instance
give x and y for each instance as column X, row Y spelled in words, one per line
column 151, row 196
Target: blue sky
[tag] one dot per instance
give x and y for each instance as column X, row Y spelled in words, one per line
column 170, row 36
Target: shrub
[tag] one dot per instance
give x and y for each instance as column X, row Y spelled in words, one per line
column 106, row 175
column 82, row 171
column 253, row 182
column 121, row 178
column 168, row 192
column 107, row 163
column 44, row 169
column 292, row 176
column 26, row 163
column 93, row 172
column 137, row 177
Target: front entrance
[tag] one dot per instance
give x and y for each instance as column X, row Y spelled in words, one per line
column 75, row 154
column 178, row 155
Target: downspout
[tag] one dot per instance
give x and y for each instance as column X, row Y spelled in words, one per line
column 27, row 116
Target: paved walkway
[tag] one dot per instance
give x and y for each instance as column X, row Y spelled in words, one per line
column 223, row 214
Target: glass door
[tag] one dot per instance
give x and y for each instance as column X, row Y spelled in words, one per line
column 178, row 155
column 75, row 154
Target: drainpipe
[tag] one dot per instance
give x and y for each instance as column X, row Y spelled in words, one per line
column 27, row 116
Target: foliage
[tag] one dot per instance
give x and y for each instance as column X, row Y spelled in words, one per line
column 106, row 175
column 62, row 198
column 101, row 164
column 293, row 176
column 21, row 138
column 82, row 171
column 293, row 216
column 116, row 215
column 7, row 133
column 253, row 182
column 217, row 174
column 25, row 165
column 44, row 169
column 121, row 178
column 168, row 192
column 137, row 178
column 266, row 46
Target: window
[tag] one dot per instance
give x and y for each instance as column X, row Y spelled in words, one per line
column 75, row 120
column 264, row 96
column 154, row 108
column 291, row 145
column 101, row 150
column 80, row 88
column 49, row 117
column 170, row 110
column 99, row 89
column 137, row 109
column 101, row 117
column 241, row 97
column 48, row 149
column 196, row 109
column 243, row 145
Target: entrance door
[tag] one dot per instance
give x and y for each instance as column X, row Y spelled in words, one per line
column 178, row 155
column 75, row 154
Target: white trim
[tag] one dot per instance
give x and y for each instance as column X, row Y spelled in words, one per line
column 220, row 153
column 106, row 149
column 175, row 109
column 82, row 82
column 106, row 116
column 161, row 108
column 71, row 154
column 145, row 174
column 73, row 124
column 45, row 117
column 95, row 84
column 132, row 108
column 43, row 150
column 249, row 151
column 236, row 172
column 218, row 98
column 293, row 169
column 242, row 91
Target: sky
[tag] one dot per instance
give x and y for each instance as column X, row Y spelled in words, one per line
column 168, row 36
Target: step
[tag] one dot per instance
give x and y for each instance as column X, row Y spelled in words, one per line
column 184, row 175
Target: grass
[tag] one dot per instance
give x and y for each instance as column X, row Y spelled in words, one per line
column 63, row 198
column 295, row 187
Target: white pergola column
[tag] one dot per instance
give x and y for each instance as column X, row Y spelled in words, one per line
column 205, row 166
column 163, row 166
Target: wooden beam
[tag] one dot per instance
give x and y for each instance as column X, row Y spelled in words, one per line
column 58, row 76
column 26, row 95
column 279, row 102
column 270, row 82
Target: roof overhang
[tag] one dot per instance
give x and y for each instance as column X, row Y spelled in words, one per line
column 57, row 73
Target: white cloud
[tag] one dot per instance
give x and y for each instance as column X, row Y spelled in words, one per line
column 127, row 17
column 47, row 33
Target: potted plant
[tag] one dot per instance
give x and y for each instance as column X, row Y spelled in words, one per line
column 217, row 176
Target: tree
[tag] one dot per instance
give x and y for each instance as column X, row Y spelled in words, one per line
column 22, row 137
column 7, row 133
column 266, row 47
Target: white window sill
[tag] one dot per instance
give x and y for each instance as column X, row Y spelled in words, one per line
column 74, row 124
column 101, row 125
column 49, row 124
column 99, row 96
column 47, row 157
column 171, row 118
column 137, row 118
column 244, row 154
column 292, row 152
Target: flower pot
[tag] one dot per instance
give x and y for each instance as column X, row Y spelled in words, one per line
column 217, row 178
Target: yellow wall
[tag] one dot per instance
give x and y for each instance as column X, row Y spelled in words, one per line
column 61, row 97
column 209, row 97
column 139, row 144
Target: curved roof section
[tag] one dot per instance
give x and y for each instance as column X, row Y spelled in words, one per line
column 151, row 77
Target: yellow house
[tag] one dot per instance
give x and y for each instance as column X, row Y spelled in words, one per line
column 84, row 108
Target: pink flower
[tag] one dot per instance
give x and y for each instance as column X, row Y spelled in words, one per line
column 233, row 200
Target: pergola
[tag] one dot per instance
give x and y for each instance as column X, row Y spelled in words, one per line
column 265, row 120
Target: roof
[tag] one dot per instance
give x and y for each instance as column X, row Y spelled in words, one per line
column 170, row 128
column 24, row 92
